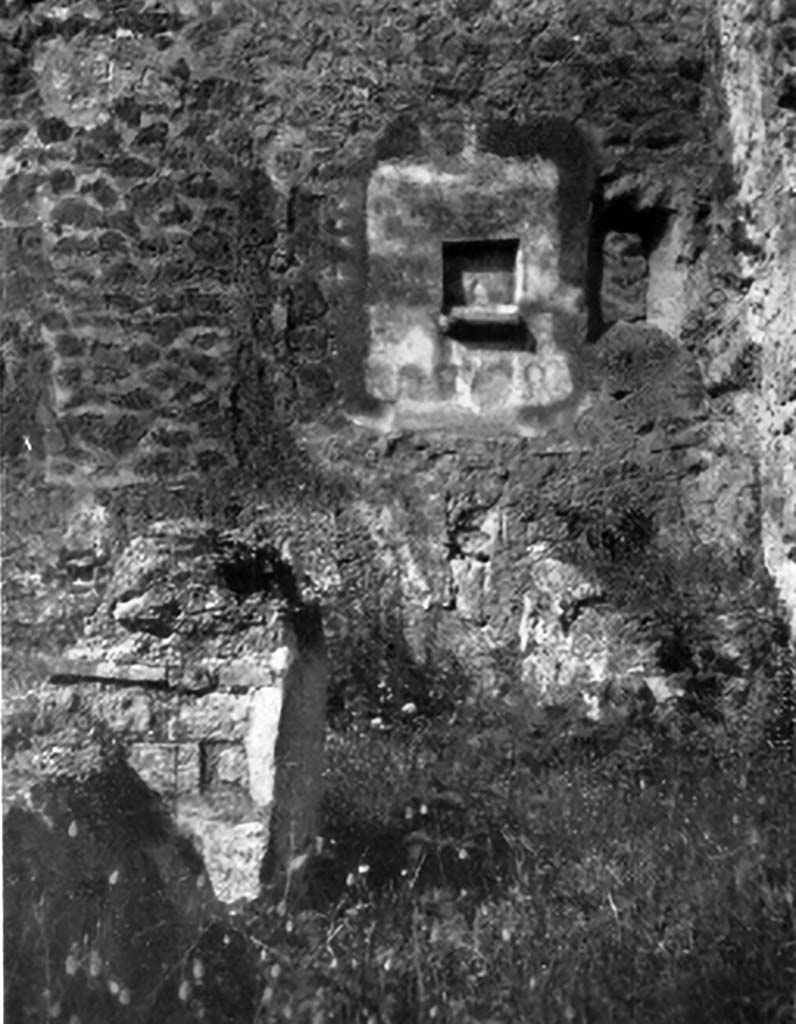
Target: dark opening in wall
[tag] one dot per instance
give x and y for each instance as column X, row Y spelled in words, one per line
column 249, row 571
column 480, row 292
column 479, row 277
column 623, row 236
column 787, row 96
column 622, row 213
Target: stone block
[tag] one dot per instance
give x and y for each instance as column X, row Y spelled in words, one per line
column 62, row 180
column 130, row 167
column 261, row 743
column 168, row 768
column 17, row 197
column 246, row 675
column 126, row 710
column 76, row 669
column 232, row 853
column 76, row 213
column 469, row 580
column 153, row 135
column 12, row 134
column 69, row 346
column 298, row 750
column 231, row 765
column 102, row 192
column 124, row 220
column 113, row 242
column 214, row 716
column 53, row 129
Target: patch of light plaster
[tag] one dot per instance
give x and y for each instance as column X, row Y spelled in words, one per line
column 260, row 742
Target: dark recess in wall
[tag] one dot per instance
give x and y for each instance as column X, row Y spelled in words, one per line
column 620, row 214
column 787, row 96
column 649, row 222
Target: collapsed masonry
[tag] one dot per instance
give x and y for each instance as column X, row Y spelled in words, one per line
column 205, row 663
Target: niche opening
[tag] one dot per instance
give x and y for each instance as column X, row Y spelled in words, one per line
column 481, row 287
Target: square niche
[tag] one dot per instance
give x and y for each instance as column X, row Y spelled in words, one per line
column 479, row 277
column 481, row 292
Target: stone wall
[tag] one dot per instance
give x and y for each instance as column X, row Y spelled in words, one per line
column 175, row 223
column 186, row 331
column 759, row 80
column 120, row 214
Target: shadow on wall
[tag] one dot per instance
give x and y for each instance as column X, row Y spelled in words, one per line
column 104, row 919
column 556, row 139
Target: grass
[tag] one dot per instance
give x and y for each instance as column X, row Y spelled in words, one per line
column 497, row 865
column 484, row 870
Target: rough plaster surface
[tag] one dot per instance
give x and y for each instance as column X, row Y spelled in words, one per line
column 412, row 210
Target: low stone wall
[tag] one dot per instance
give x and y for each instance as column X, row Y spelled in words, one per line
column 234, row 745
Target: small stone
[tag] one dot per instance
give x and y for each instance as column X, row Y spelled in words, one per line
column 181, row 69
column 179, row 213
column 62, row 180
column 112, row 241
column 128, row 110
column 102, row 192
column 78, row 213
column 232, row 765
column 153, row 135
column 130, row 167
column 19, row 191
column 53, row 129
column 124, row 221
column 201, row 186
column 11, row 135
column 69, row 346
